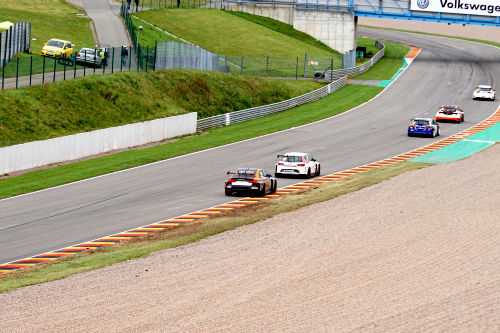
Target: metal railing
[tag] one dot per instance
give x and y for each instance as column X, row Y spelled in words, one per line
column 265, row 110
column 361, row 68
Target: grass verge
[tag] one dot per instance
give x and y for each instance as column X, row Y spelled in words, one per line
column 387, row 66
column 223, row 33
column 197, row 230
column 343, row 100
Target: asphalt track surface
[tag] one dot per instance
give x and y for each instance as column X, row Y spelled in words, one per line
column 445, row 72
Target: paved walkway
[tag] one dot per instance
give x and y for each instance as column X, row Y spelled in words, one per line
column 109, row 26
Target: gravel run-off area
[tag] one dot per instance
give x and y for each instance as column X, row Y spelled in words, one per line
column 416, row 253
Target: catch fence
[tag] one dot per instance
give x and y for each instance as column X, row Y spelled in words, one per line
column 158, row 4
column 16, row 39
column 35, row 69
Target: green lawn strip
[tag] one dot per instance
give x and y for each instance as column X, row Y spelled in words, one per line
column 387, row 66
column 284, row 28
column 342, row 100
column 438, row 35
column 95, row 102
column 197, row 230
column 227, row 34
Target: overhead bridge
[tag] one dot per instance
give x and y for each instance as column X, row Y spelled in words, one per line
column 477, row 12
column 334, row 22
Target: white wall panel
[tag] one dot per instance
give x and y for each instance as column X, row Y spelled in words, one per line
column 34, row 154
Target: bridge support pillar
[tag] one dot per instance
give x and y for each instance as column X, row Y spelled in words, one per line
column 337, row 29
column 334, row 28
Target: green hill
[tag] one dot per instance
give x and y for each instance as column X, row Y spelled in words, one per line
column 94, row 102
column 224, row 33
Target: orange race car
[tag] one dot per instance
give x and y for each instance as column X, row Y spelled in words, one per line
column 250, row 181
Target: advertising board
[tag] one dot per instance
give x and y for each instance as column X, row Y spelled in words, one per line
column 470, row 7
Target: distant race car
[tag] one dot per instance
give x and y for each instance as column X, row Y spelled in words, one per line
column 250, row 181
column 423, row 126
column 450, row 112
column 297, row 164
column 484, row 92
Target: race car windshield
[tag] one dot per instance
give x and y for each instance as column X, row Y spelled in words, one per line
column 420, row 122
column 55, row 43
column 484, row 89
column 244, row 175
column 292, row 159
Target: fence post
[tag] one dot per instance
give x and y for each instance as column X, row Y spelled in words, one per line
column 54, row 74
column 17, row 71
column 241, row 65
column 138, row 54
column 267, row 66
column 43, row 71
column 297, row 69
column 31, row 68
column 147, row 57
column 64, row 70
column 305, row 64
column 85, row 67
column 331, row 71
column 154, row 55
column 113, row 60
column 74, row 69
column 3, row 74
column 130, row 58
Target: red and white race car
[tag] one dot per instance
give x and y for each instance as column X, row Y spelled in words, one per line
column 450, row 113
column 297, row 164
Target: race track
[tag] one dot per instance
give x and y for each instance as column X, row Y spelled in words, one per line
column 445, row 72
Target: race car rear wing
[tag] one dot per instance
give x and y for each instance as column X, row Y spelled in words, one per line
column 243, row 172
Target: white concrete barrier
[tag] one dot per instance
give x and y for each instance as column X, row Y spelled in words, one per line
column 34, row 154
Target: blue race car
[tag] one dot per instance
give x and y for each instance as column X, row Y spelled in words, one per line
column 423, row 126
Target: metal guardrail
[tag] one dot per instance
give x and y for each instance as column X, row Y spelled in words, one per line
column 361, row 68
column 261, row 111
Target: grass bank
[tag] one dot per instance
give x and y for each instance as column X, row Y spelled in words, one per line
column 344, row 99
column 228, row 34
column 197, row 230
column 94, row 102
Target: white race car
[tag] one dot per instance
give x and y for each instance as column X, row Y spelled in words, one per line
column 297, row 164
column 484, row 92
